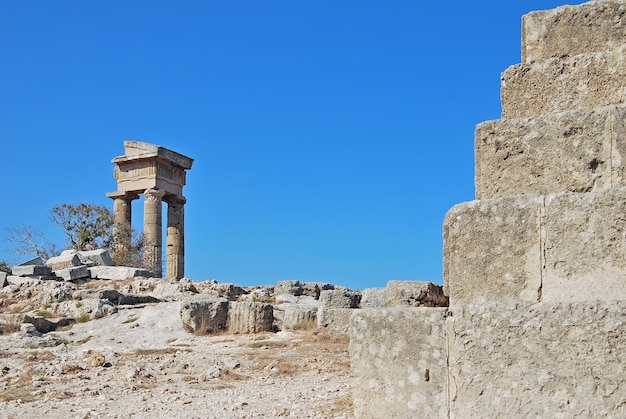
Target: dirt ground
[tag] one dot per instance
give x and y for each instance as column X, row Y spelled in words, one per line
column 139, row 362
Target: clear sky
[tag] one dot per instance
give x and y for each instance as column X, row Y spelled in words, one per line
column 330, row 137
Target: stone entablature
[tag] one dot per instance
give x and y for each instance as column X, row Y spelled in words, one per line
column 159, row 174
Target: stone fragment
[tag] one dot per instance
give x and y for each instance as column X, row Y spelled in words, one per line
column 296, row 317
column 492, row 250
column 567, row 31
column 98, row 257
column 204, row 315
column 285, row 298
column 65, row 260
column 574, row 151
column 373, row 298
column 72, row 274
column 250, row 317
column 339, row 298
column 44, row 325
column 585, row 249
column 399, row 363
column 96, row 359
column 292, row 287
column 3, row 279
column 414, row 294
column 583, row 81
column 174, row 290
column 536, row 360
column 117, row 272
column 311, row 289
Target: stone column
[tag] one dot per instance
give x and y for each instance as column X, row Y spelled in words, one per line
column 175, row 241
column 153, row 238
column 122, row 227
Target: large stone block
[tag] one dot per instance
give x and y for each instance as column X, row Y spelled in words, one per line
column 117, row 272
column 65, row 260
column 3, row 279
column 585, row 250
column 336, row 321
column 31, row 270
column 204, row 315
column 297, row 316
column 250, row 317
column 98, row 257
column 399, row 363
column 492, row 250
column 584, row 81
column 414, row 294
column 571, row 30
column 537, row 360
column 576, row 151
column 72, row 274
column 373, row 298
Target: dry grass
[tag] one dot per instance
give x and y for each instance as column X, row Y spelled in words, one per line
column 159, row 351
column 8, row 328
column 306, row 325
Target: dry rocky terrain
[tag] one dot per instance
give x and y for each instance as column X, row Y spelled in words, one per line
column 138, row 361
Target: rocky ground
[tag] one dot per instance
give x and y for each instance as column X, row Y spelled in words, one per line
column 139, row 362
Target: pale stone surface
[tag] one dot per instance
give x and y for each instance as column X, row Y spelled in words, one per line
column 117, row 272
column 204, row 315
column 571, row 30
column 539, row 360
column 93, row 307
column 250, row 317
column 414, row 294
column 373, row 298
column 31, row 270
column 574, row 151
column 295, row 316
column 65, row 260
column 3, row 279
column 335, row 299
column 72, row 274
column 492, row 250
column 98, row 257
column 336, row 321
column 581, row 82
column 585, row 256
column 292, row 287
column 399, row 363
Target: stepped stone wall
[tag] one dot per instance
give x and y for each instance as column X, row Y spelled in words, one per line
column 535, row 267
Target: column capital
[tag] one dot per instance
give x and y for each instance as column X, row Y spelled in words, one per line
column 125, row 195
column 154, row 194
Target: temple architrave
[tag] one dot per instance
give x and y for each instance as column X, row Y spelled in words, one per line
column 159, row 174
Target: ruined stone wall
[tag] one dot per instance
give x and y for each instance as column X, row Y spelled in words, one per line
column 535, row 267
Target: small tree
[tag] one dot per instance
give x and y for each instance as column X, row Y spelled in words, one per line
column 87, row 226
column 4, row 266
column 127, row 248
column 27, row 240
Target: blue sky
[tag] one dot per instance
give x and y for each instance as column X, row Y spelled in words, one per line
column 330, row 137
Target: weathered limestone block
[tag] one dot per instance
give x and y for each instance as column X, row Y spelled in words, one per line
column 584, row 81
column 585, row 251
column 3, row 279
column 292, row 287
column 65, row 260
column 174, row 290
column 571, row 30
column 98, row 257
column 117, row 272
column 204, row 315
column 93, row 307
column 311, row 289
column 399, row 363
column 575, row 151
column 336, row 321
column 296, row 316
column 32, row 267
column 492, row 250
column 537, row 360
column 72, row 274
column 414, row 294
column 335, row 299
column 373, row 298
column 250, row 317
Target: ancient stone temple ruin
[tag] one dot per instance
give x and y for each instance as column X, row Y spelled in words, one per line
column 159, row 174
column 535, row 267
